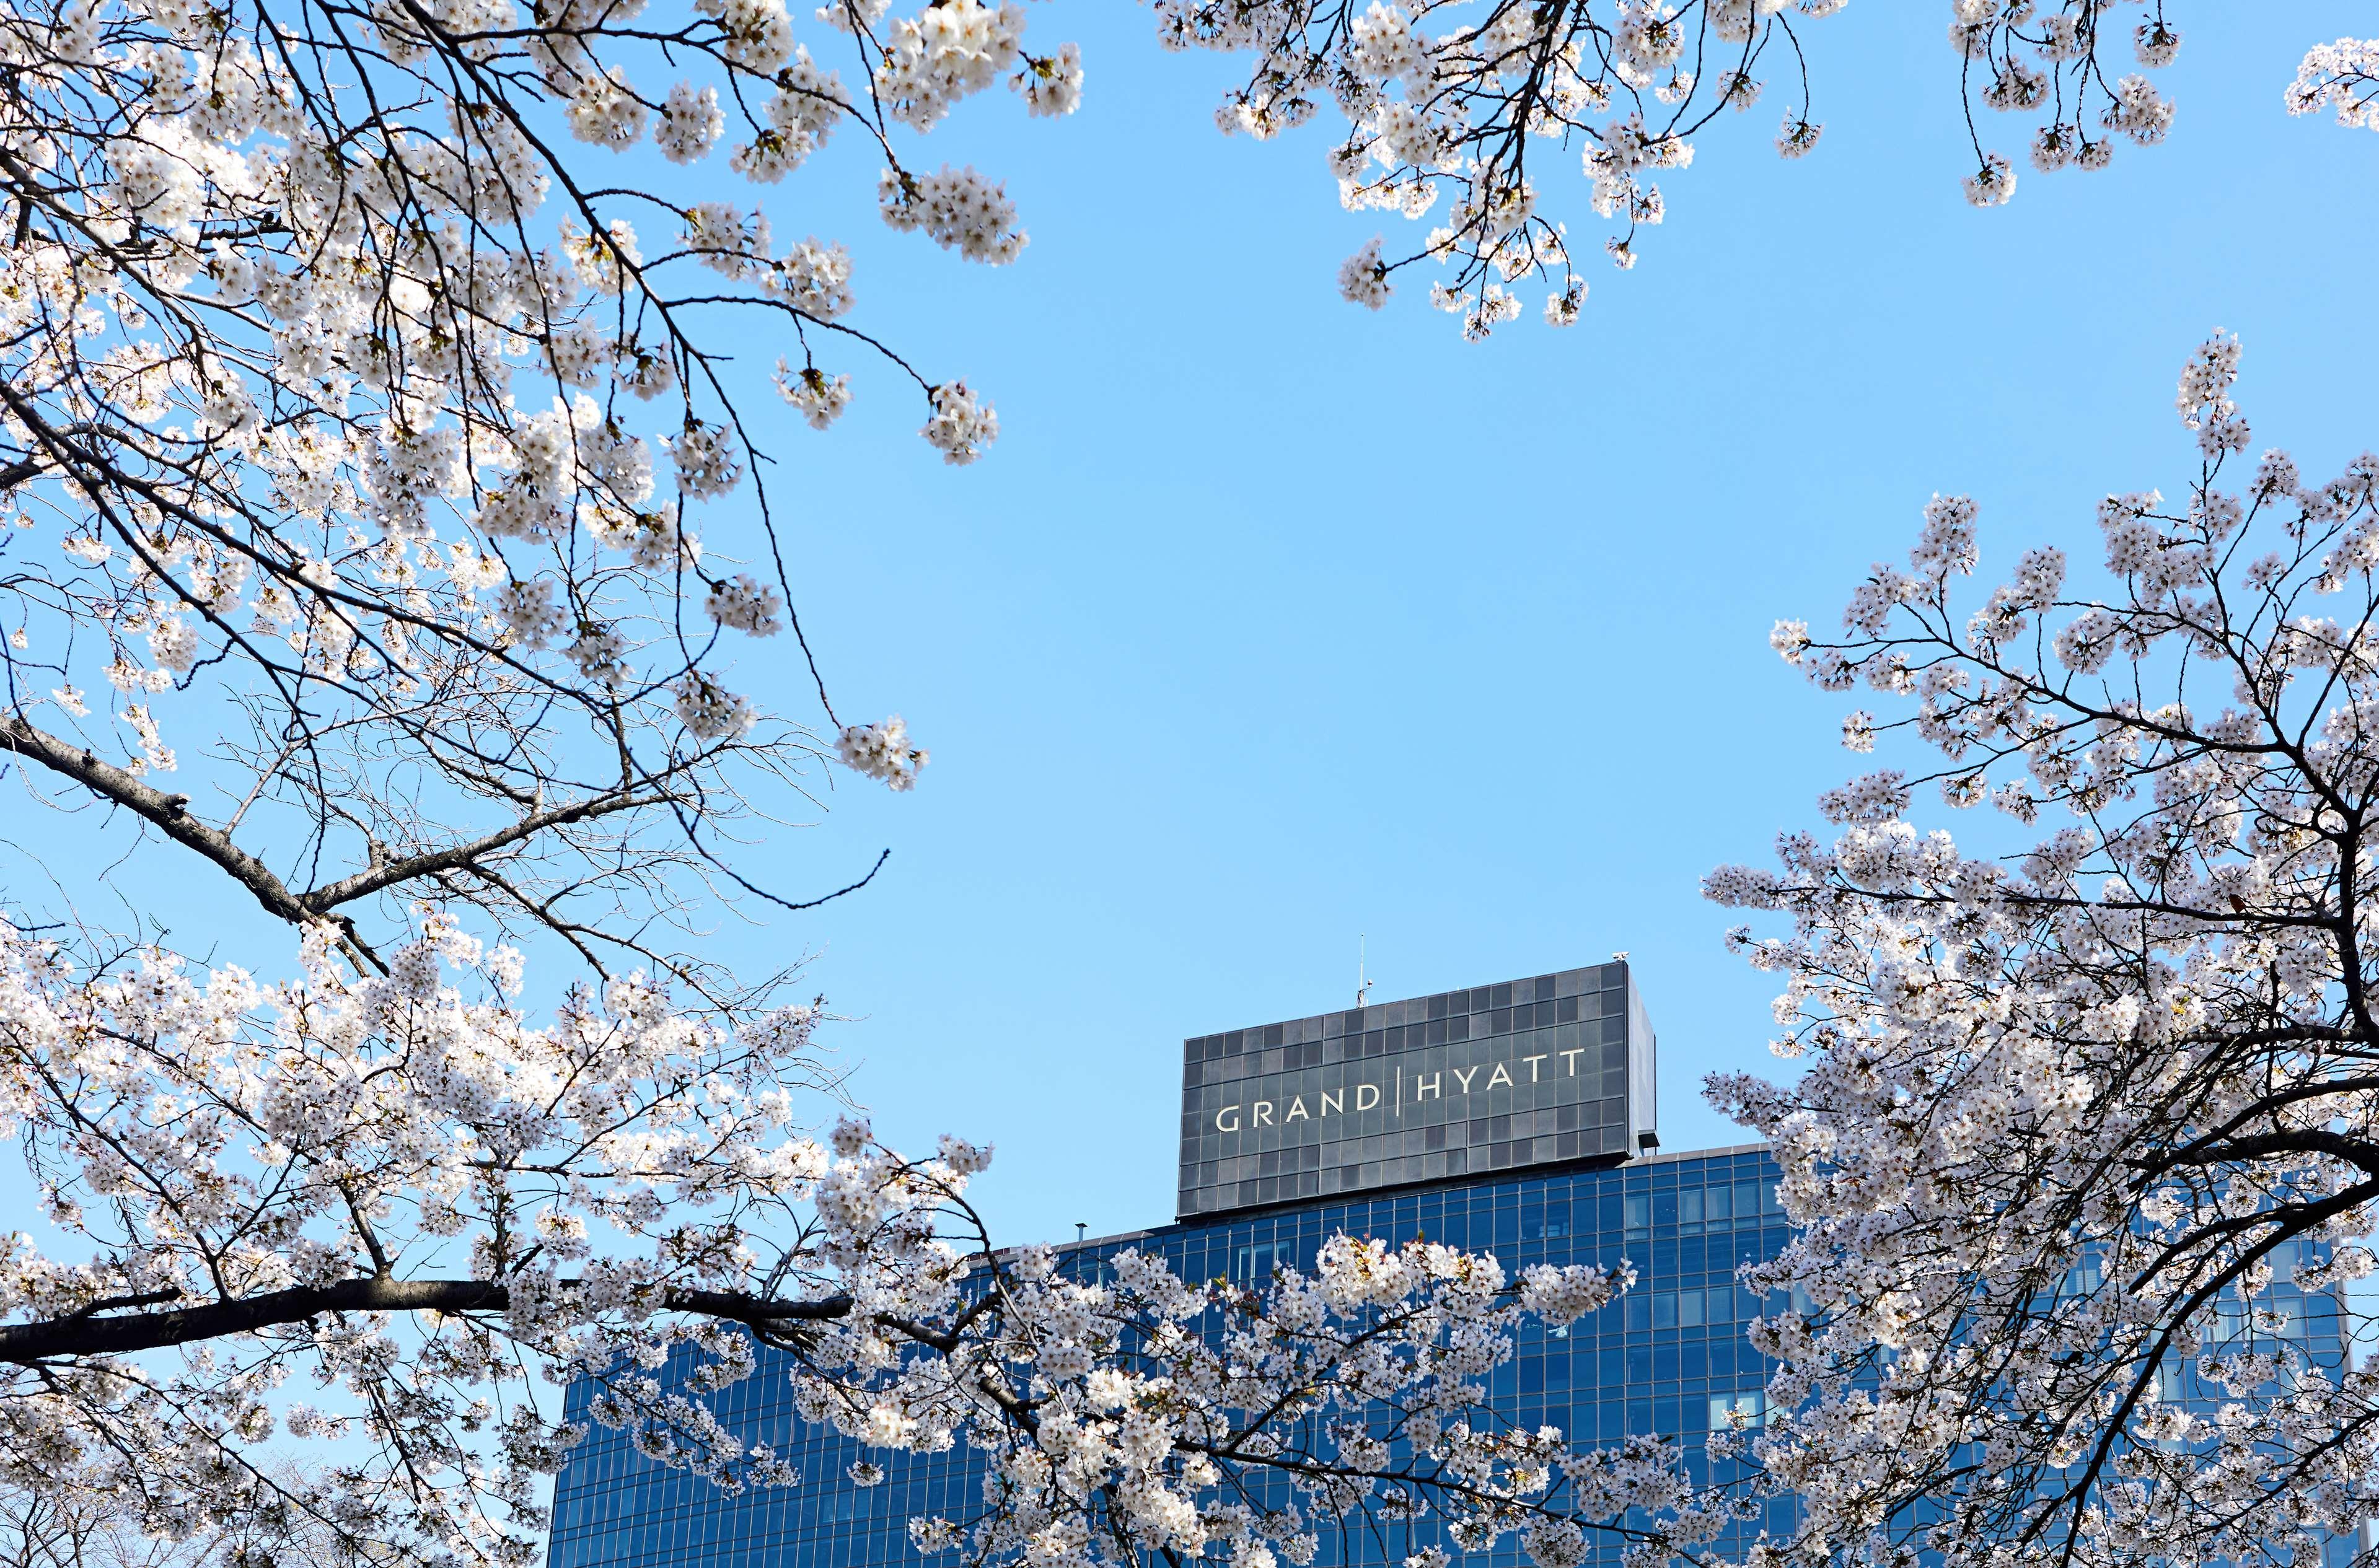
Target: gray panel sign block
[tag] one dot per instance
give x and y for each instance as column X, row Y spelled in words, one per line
column 1548, row 1069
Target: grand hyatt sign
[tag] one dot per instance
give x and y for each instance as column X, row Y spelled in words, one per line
column 1552, row 1068
column 1431, row 1086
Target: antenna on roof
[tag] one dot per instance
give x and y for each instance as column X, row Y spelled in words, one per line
column 1362, row 980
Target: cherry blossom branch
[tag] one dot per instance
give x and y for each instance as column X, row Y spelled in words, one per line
column 2074, row 1110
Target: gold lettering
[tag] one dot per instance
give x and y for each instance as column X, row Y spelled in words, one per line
column 1465, row 1074
column 1296, row 1109
column 1333, row 1100
column 1501, row 1076
column 1263, row 1113
column 1231, row 1125
column 1361, row 1090
column 1571, row 1057
column 1426, row 1088
column 1532, row 1062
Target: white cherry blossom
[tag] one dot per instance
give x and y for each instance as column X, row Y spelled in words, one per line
column 2086, row 1136
column 402, row 1196
column 345, row 393
column 1481, row 113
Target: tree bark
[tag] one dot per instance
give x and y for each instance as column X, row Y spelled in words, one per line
column 50, row 1339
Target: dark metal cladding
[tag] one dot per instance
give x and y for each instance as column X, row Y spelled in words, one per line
column 1550, row 1069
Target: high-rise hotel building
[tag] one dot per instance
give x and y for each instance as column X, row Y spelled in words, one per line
column 1517, row 1118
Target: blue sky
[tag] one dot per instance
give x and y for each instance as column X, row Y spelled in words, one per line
column 1271, row 625
column 1271, row 622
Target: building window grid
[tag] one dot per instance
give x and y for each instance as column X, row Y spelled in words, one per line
column 1606, row 1384
column 1634, row 1367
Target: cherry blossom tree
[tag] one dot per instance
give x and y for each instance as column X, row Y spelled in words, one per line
column 1464, row 111
column 338, row 345
column 62, row 1528
column 380, row 1213
column 335, row 375
column 2087, row 1130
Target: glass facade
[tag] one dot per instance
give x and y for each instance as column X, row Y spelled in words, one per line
column 1552, row 1068
column 1668, row 1358
column 1414, row 1118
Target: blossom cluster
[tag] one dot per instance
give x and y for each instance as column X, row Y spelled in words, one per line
column 218, row 1138
column 1451, row 107
column 1446, row 99
column 357, row 387
column 2343, row 76
column 883, row 752
column 2055, row 60
column 2085, row 1132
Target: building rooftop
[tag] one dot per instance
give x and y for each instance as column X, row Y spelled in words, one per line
column 1550, row 1069
column 1725, row 1151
